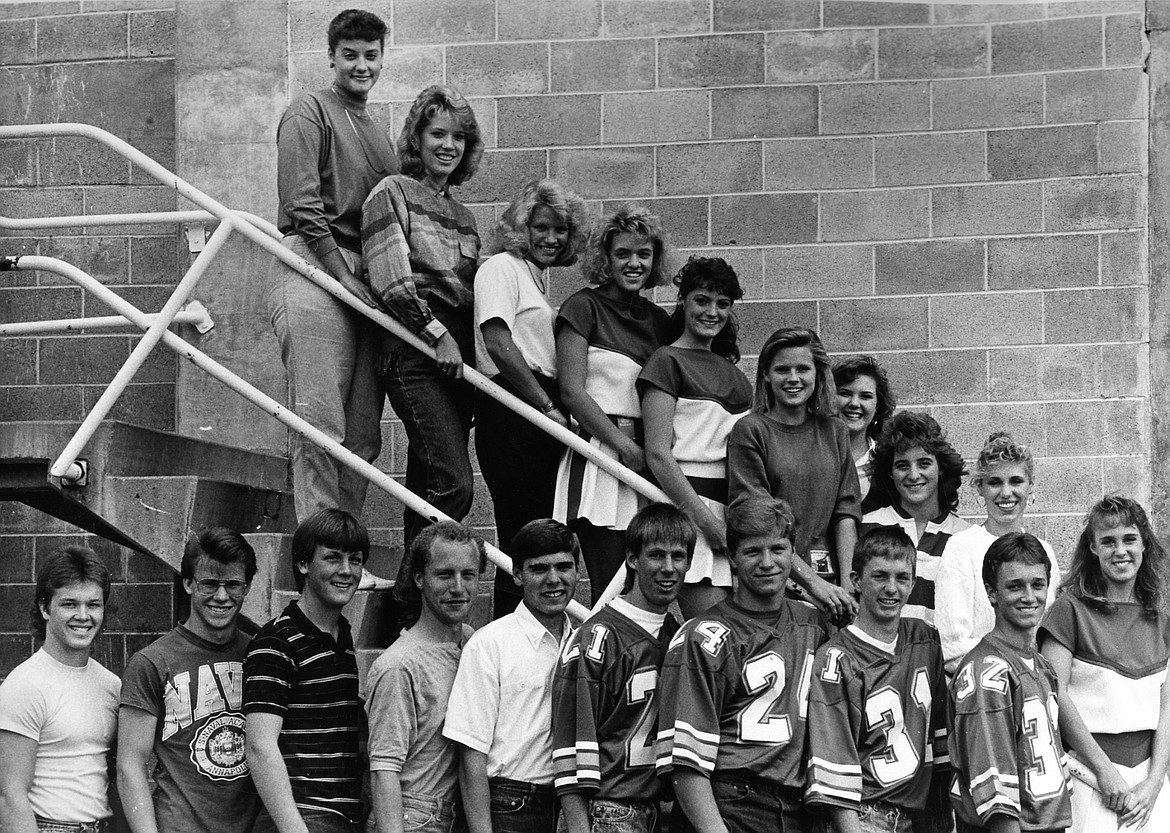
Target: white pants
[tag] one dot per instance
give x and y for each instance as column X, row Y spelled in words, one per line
column 1090, row 815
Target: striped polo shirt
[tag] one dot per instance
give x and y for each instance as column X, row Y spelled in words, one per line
column 930, row 548
column 296, row 670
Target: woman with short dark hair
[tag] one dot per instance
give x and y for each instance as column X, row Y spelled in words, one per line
column 867, row 403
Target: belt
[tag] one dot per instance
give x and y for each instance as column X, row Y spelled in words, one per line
column 50, row 826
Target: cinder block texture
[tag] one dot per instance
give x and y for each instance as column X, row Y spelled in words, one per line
column 713, row 61
column 1046, row 45
column 601, row 65
column 938, row 52
column 761, row 112
column 809, row 56
column 875, row 108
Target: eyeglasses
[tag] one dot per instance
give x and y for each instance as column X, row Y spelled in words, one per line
column 210, row 586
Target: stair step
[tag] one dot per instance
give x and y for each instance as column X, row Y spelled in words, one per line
column 162, row 511
column 119, row 448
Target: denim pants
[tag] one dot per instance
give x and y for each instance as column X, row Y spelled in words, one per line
column 519, row 807
column 883, row 818
column 749, row 806
column 425, row 814
column 607, row 816
column 330, row 355
column 318, row 821
column 436, row 412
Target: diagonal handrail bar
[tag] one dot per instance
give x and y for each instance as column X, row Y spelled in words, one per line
column 138, row 356
column 243, row 225
column 256, row 397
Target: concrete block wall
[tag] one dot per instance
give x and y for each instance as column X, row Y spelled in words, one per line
column 958, row 189
column 108, row 63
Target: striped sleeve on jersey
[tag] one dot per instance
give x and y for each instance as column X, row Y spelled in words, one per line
column 834, row 762
column 576, row 693
column 691, row 699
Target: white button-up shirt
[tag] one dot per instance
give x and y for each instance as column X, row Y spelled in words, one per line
column 501, row 703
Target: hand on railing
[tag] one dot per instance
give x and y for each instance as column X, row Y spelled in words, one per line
column 359, row 289
column 448, row 357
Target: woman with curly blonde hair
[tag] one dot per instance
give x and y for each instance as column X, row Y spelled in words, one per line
column 605, row 333
column 962, row 609
column 421, row 248
column 545, row 226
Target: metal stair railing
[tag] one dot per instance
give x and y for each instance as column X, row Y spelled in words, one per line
column 264, row 234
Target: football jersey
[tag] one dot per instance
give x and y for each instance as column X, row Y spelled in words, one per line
column 930, row 548
column 1005, row 742
column 734, row 693
column 605, row 708
column 876, row 720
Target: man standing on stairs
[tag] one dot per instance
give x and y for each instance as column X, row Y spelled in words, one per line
column 304, row 715
column 181, row 701
column 330, row 155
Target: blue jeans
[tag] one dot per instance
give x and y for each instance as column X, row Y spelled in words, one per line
column 607, row 816
column 436, row 412
column 518, row 807
column 330, row 354
column 749, row 806
column 318, row 821
column 426, row 814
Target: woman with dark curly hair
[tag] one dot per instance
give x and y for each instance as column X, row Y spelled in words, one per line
column 605, row 333
column 421, row 249
column 917, row 474
column 545, row 226
column 692, row 394
column 1108, row 638
column 866, row 401
column 793, row 447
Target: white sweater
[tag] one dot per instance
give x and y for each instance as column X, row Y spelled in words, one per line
column 962, row 611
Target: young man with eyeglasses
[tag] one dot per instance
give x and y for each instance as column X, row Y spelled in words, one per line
column 181, row 702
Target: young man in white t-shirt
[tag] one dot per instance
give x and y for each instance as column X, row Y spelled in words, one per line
column 59, row 708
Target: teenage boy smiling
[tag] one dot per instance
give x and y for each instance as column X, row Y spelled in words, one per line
column 1010, row 766
column 58, row 708
column 734, row 690
column 877, row 708
column 301, row 698
column 605, row 695
column 414, row 768
column 500, row 711
column 181, row 700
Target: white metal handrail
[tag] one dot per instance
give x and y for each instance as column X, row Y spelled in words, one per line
column 194, row 314
column 264, row 234
column 253, row 395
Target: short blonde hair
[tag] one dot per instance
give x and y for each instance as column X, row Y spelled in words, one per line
column 634, row 219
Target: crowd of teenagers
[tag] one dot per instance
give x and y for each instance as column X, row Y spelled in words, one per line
column 757, row 714
column 848, row 655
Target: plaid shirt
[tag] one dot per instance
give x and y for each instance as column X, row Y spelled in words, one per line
column 420, row 247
